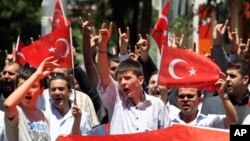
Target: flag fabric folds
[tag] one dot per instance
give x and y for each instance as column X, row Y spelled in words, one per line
column 176, row 132
column 159, row 32
column 56, row 43
column 184, row 68
column 20, row 58
column 59, row 18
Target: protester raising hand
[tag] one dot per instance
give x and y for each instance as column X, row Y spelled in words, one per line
column 12, row 56
column 124, row 39
column 102, row 63
column 143, row 47
column 243, row 51
column 104, row 36
column 234, row 38
column 218, row 32
column 89, row 48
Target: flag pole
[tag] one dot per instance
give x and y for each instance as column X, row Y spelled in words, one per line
column 64, row 17
column 72, row 63
column 17, row 42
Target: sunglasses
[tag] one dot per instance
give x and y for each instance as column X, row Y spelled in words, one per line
column 189, row 96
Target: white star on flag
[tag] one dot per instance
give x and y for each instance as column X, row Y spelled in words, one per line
column 192, row 71
column 52, row 49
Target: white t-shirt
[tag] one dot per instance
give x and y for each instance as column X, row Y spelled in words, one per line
column 27, row 125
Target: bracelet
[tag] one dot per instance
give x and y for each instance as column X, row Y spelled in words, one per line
column 224, row 97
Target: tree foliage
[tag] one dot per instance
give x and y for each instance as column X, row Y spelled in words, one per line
column 18, row 17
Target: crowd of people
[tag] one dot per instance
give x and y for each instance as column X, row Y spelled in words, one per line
column 119, row 93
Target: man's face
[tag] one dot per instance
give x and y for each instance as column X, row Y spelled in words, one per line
column 8, row 78
column 32, row 94
column 112, row 68
column 157, row 90
column 188, row 100
column 130, row 84
column 235, row 82
column 59, row 94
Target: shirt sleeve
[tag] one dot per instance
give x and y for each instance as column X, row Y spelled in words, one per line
column 108, row 96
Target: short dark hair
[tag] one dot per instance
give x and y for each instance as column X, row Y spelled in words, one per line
column 199, row 92
column 242, row 66
column 61, row 76
column 26, row 71
column 129, row 65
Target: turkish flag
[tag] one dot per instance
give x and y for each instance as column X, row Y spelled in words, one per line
column 178, row 132
column 59, row 18
column 20, row 56
column 159, row 32
column 56, row 43
column 183, row 68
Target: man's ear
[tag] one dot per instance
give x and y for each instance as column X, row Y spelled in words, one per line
column 246, row 79
column 141, row 79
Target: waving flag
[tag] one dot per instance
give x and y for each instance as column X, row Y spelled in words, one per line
column 176, row 132
column 59, row 18
column 159, row 32
column 19, row 55
column 183, row 68
column 56, row 43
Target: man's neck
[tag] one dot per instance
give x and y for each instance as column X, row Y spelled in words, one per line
column 187, row 118
column 238, row 97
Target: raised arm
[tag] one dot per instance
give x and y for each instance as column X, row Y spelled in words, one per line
column 77, row 114
column 231, row 115
column 17, row 96
column 87, row 50
column 218, row 53
column 102, row 63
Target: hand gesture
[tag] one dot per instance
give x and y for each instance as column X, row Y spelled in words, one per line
column 243, row 51
column 218, row 32
column 234, row 38
column 221, row 85
column 86, row 26
column 104, row 37
column 46, row 67
column 124, row 40
column 76, row 112
column 11, row 57
column 143, row 47
column 177, row 41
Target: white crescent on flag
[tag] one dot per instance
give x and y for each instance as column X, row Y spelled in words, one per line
column 20, row 54
column 67, row 47
column 171, row 68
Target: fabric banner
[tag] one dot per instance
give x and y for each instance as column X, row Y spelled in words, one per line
column 176, row 132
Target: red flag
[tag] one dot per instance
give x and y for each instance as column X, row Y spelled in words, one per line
column 59, row 18
column 159, row 32
column 176, row 132
column 183, row 68
column 20, row 56
column 55, row 44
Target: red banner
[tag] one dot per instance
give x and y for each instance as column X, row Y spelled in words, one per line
column 174, row 133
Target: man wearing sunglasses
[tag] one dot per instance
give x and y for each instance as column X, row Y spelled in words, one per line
column 189, row 100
